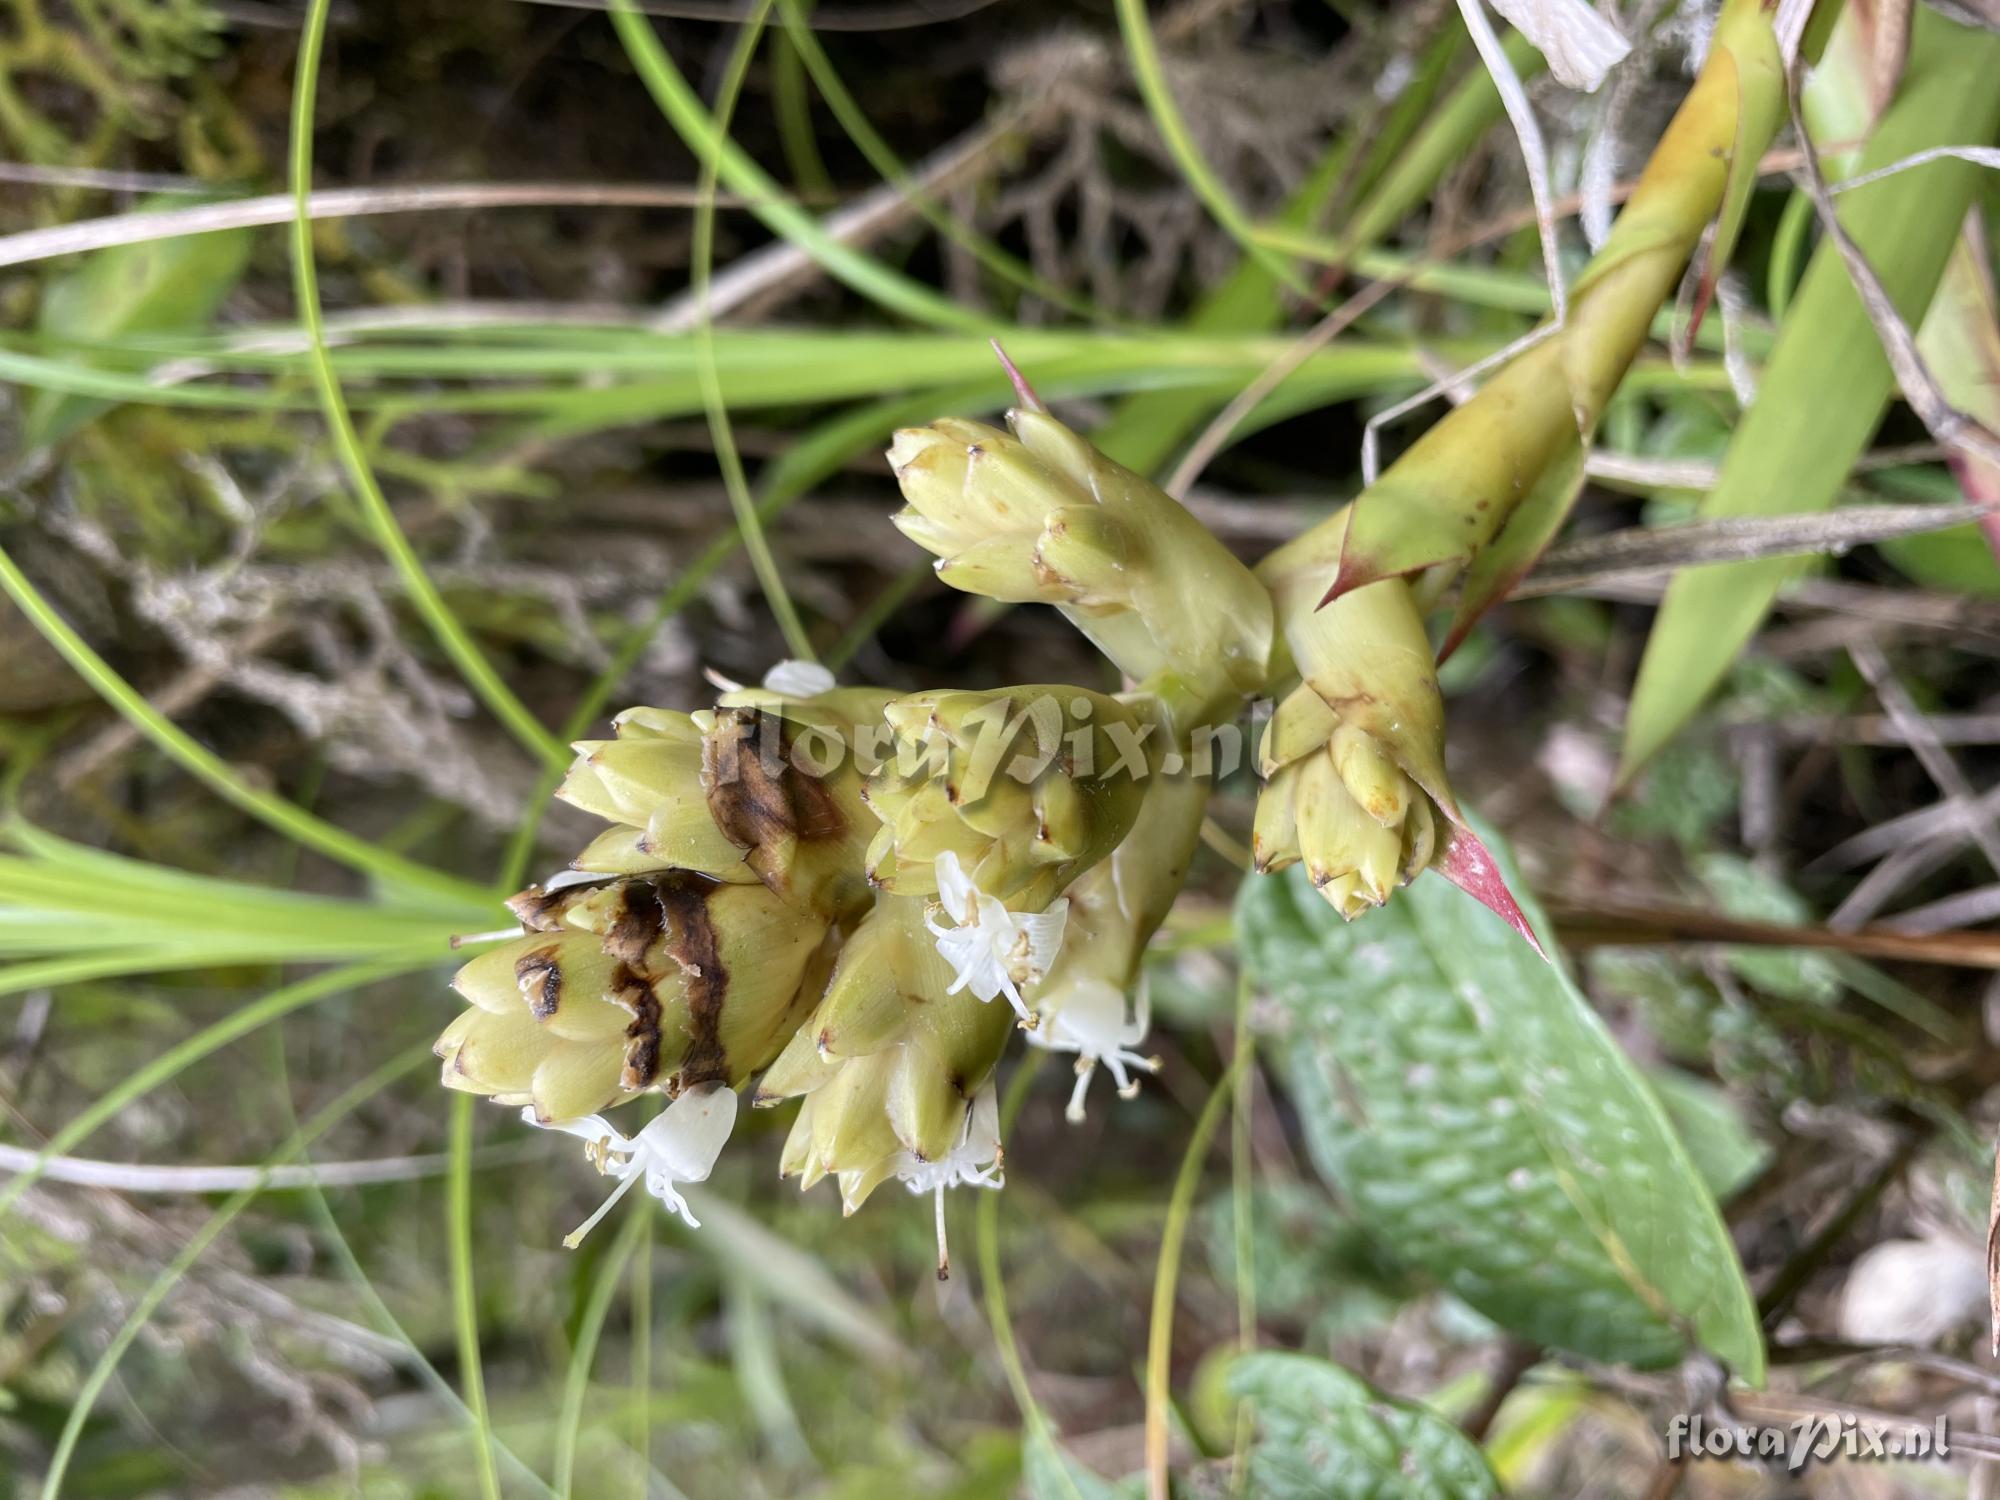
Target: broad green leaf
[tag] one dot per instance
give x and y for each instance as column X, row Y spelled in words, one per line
column 156, row 286
column 1470, row 1106
column 1827, row 382
column 1326, row 1434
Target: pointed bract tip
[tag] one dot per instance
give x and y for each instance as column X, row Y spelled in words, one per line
column 1468, row 864
column 1353, row 572
column 1022, row 390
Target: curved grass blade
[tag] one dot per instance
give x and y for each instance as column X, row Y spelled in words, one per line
column 464, row 1300
column 197, row 1245
column 465, row 654
column 888, row 288
column 287, row 818
column 748, row 526
column 589, row 1328
column 1142, row 49
column 1828, row 382
column 803, row 41
column 169, row 1064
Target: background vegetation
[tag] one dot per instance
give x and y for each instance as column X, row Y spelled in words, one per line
column 326, row 530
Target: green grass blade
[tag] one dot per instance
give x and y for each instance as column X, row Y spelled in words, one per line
column 286, row 817
column 748, row 526
column 1167, row 1271
column 804, row 44
column 465, row 654
column 590, row 1327
column 1142, row 50
column 791, row 106
column 1828, row 382
column 184, row 1054
column 1149, row 428
column 888, row 288
column 464, row 1301
column 197, row 1245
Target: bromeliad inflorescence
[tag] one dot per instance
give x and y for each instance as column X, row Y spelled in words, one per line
column 830, row 890
column 855, row 898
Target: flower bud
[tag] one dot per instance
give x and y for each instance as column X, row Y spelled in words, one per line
column 1353, row 758
column 1027, row 786
column 1340, row 804
column 654, row 983
column 1037, row 515
column 762, row 788
column 889, row 1062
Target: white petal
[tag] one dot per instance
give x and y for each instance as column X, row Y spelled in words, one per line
column 799, row 679
column 1580, row 44
column 686, row 1137
column 1045, row 937
column 591, row 1128
column 955, row 888
column 982, row 1133
column 971, row 961
column 562, row 880
column 1089, row 1018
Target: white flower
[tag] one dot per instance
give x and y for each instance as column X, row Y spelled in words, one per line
column 974, row 1162
column 992, row 950
column 1580, row 44
column 1091, row 1023
column 679, row 1144
column 799, row 679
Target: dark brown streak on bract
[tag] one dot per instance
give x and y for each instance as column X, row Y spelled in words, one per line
column 642, row 1036
column 758, row 796
column 693, row 944
column 641, row 921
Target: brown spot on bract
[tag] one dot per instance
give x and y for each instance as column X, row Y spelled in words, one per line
column 760, row 799
column 539, row 910
column 539, row 974
column 641, row 921
column 642, row 1034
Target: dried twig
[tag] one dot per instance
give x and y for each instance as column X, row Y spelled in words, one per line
column 1610, row 924
column 1936, row 760
column 1941, row 419
column 1639, row 551
column 337, row 203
